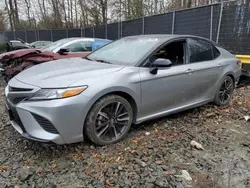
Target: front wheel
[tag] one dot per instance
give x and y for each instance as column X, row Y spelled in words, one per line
column 109, row 120
column 225, row 91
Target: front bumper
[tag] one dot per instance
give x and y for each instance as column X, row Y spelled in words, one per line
column 61, row 121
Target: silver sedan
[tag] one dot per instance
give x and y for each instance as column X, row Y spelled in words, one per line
column 131, row 80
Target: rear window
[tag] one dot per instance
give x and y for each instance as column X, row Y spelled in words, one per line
column 200, row 50
column 216, row 52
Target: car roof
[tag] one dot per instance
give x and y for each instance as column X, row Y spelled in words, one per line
column 42, row 41
column 88, row 38
column 167, row 37
column 15, row 41
column 163, row 36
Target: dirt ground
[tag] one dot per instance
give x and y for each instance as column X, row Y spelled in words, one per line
column 154, row 154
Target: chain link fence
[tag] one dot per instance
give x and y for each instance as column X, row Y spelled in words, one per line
column 227, row 23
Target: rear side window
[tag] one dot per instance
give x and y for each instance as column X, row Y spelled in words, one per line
column 17, row 44
column 216, row 52
column 80, row 46
column 200, row 50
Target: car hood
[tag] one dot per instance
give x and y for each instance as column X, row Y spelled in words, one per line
column 64, row 72
column 16, row 53
column 34, row 54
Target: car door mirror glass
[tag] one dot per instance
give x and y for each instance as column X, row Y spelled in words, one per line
column 161, row 62
column 63, row 51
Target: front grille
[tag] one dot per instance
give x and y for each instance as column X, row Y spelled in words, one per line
column 15, row 89
column 17, row 100
column 45, row 124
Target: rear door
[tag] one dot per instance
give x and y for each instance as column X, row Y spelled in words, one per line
column 204, row 68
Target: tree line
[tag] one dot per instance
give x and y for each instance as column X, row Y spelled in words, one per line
column 52, row 14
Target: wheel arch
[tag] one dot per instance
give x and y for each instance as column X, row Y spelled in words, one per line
column 230, row 74
column 128, row 94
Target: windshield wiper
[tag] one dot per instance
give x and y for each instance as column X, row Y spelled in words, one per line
column 88, row 58
column 102, row 61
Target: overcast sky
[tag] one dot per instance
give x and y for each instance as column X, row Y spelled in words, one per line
column 1, row 4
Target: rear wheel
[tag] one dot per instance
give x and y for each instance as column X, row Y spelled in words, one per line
column 225, row 91
column 109, row 120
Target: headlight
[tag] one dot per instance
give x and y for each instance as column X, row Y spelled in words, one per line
column 47, row 94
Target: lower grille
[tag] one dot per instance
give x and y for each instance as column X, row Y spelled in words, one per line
column 45, row 124
column 15, row 117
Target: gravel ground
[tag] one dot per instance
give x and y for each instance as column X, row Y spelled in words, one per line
column 155, row 154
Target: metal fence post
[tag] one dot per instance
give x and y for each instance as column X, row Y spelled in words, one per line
column 51, row 35
column 14, row 33
column 121, row 30
column 118, row 30
column 38, row 35
column 93, row 32
column 35, row 34
column 67, row 32
column 106, row 32
column 26, row 37
column 143, row 25
column 211, row 22
column 81, row 32
column 173, row 22
column 84, row 32
column 219, row 24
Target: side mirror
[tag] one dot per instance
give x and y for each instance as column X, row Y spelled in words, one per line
column 63, row 51
column 160, row 62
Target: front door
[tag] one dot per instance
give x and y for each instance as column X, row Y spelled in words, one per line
column 172, row 87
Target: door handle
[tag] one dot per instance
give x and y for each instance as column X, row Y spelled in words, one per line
column 189, row 71
column 219, row 65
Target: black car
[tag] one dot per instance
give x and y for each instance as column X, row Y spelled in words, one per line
column 18, row 45
column 11, row 45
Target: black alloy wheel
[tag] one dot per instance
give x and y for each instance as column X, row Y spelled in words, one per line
column 225, row 92
column 109, row 120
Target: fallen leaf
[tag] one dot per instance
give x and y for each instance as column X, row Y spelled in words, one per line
column 169, row 173
column 156, row 131
column 4, row 168
column 235, row 131
column 196, row 145
column 187, row 164
column 107, row 183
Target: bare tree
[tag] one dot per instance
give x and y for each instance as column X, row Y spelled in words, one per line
column 27, row 2
column 16, row 13
column 9, row 14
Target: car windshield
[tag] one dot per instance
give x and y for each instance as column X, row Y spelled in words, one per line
column 55, row 45
column 125, row 51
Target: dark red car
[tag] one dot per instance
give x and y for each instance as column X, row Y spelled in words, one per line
column 16, row 61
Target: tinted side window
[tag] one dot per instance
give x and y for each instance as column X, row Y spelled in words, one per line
column 81, row 46
column 200, row 50
column 216, row 52
column 17, row 44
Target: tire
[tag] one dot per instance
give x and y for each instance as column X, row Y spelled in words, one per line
column 109, row 111
column 225, row 91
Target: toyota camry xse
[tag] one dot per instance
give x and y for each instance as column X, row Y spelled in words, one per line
column 131, row 80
